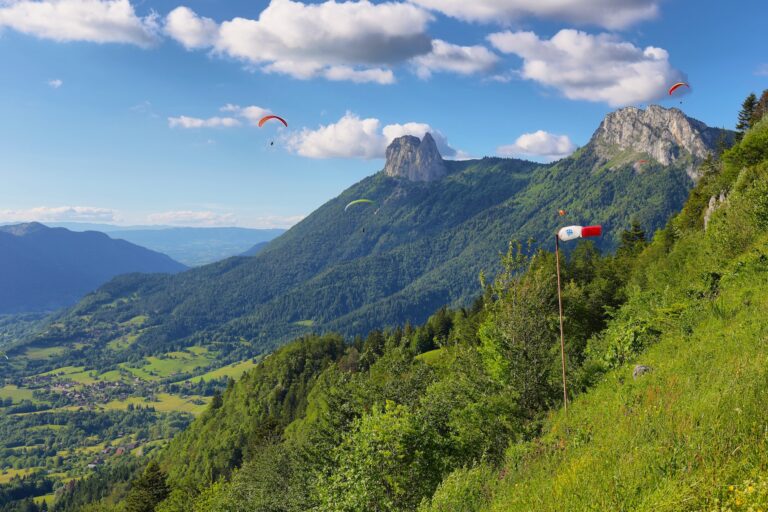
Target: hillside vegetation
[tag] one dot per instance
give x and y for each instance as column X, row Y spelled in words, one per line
column 419, row 247
column 463, row 413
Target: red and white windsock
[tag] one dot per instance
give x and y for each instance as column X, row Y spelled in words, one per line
column 574, row 232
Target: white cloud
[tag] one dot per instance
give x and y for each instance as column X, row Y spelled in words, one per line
column 196, row 122
column 202, row 218
column 58, row 213
column 55, row 83
column 606, row 13
column 539, row 144
column 762, row 70
column 353, row 137
column 376, row 75
column 273, row 221
column 350, row 137
column 599, row 68
column 191, row 30
column 338, row 41
column 97, row 21
column 464, row 60
column 252, row 113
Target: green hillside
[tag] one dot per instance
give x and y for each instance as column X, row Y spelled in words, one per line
column 420, row 247
column 464, row 412
column 690, row 435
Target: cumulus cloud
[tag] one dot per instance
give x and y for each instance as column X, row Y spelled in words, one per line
column 339, row 41
column 611, row 14
column 250, row 114
column 353, row 137
column 59, row 214
column 599, row 68
column 464, row 60
column 196, row 122
column 202, row 218
column 376, row 75
column 539, row 144
column 97, row 21
column 191, row 30
column 55, row 83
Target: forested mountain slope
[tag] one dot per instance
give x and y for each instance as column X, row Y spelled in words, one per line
column 420, row 245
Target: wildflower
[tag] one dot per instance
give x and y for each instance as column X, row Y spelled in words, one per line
column 730, row 488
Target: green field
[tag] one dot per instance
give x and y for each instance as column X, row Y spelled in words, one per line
column 38, row 353
column 165, row 402
column 15, row 393
column 7, row 474
column 431, row 357
column 233, row 371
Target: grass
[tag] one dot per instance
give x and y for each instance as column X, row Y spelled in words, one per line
column 165, row 403
column 305, row 323
column 39, row 353
column 137, row 321
column 15, row 393
column 123, row 342
column 6, row 475
column 431, row 357
column 675, row 439
column 233, row 371
column 47, row 499
column 172, row 363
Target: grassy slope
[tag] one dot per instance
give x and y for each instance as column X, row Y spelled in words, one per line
column 691, row 434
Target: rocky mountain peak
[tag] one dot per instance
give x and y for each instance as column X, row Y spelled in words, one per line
column 664, row 134
column 414, row 159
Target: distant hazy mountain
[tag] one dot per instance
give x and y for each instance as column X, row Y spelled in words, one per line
column 191, row 246
column 44, row 268
column 433, row 227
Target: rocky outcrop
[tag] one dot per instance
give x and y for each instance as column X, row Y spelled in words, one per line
column 663, row 134
column 414, row 159
column 714, row 203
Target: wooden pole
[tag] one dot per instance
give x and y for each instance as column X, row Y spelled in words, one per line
column 562, row 336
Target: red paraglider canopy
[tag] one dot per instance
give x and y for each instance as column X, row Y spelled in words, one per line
column 267, row 118
column 677, row 86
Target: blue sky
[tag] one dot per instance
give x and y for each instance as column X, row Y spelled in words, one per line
column 137, row 113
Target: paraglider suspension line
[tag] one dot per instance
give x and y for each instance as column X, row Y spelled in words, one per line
column 562, row 336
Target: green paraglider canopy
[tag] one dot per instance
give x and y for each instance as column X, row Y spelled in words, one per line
column 358, row 201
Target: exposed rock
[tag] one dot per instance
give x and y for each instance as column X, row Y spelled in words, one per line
column 664, row 134
column 641, row 370
column 414, row 159
column 714, row 204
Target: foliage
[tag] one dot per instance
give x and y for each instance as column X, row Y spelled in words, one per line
column 147, row 490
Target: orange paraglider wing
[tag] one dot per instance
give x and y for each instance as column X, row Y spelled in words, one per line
column 562, row 213
column 677, row 86
column 267, row 118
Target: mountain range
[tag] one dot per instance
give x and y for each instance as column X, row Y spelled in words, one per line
column 44, row 268
column 192, row 246
column 434, row 226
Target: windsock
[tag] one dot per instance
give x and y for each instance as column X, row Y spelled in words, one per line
column 574, row 232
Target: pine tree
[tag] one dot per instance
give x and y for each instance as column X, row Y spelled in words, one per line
column 632, row 239
column 761, row 109
column 147, row 490
column 746, row 115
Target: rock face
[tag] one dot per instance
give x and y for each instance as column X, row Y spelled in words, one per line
column 414, row 159
column 664, row 134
